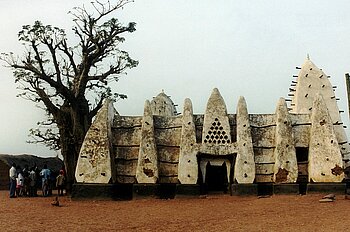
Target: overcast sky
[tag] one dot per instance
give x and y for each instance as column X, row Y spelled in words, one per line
column 188, row 47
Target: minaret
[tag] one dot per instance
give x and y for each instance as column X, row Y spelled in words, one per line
column 96, row 159
column 312, row 81
column 325, row 159
column 147, row 164
column 162, row 105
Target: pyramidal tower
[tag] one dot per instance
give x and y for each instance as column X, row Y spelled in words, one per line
column 312, row 81
column 162, row 105
column 309, row 84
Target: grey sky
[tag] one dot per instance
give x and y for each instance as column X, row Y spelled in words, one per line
column 187, row 48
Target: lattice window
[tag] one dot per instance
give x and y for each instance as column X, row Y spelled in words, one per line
column 217, row 134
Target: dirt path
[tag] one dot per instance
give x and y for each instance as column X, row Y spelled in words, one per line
column 213, row 213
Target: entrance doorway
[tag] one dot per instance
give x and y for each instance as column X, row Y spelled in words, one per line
column 215, row 172
column 216, row 178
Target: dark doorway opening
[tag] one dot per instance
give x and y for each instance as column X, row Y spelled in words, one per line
column 216, row 178
column 302, row 154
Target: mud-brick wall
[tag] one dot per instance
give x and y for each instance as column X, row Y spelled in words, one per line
column 167, row 132
column 301, row 126
column 233, row 125
column 199, row 120
column 126, row 133
column 263, row 128
column 126, row 141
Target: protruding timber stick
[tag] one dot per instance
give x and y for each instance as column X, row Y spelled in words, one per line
column 347, row 80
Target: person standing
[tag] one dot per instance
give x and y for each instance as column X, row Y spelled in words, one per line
column 26, row 186
column 45, row 178
column 32, row 188
column 37, row 179
column 20, row 183
column 13, row 183
column 60, row 183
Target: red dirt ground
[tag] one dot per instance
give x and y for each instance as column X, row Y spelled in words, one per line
column 210, row 213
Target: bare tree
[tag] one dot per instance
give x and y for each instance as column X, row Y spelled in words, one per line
column 70, row 82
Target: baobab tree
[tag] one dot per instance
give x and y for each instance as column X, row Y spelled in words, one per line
column 70, row 80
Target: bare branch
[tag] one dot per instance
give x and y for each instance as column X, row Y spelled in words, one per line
column 98, row 106
column 47, row 102
column 64, row 48
column 61, row 77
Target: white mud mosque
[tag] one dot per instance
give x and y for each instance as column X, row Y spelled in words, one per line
column 299, row 148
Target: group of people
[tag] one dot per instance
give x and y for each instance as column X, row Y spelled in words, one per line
column 26, row 181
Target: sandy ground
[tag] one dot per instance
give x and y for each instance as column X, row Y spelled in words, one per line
column 208, row 213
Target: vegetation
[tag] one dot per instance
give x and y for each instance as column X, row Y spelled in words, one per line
column 70, row 80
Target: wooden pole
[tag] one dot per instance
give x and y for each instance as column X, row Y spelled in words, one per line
column 347, row 80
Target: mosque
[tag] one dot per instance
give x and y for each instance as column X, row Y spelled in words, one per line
column 300, row 148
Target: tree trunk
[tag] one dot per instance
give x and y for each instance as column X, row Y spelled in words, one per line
column 70, row 155
column 73, row 127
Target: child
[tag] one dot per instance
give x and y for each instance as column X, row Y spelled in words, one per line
column 20, row 184
column 60, row 183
